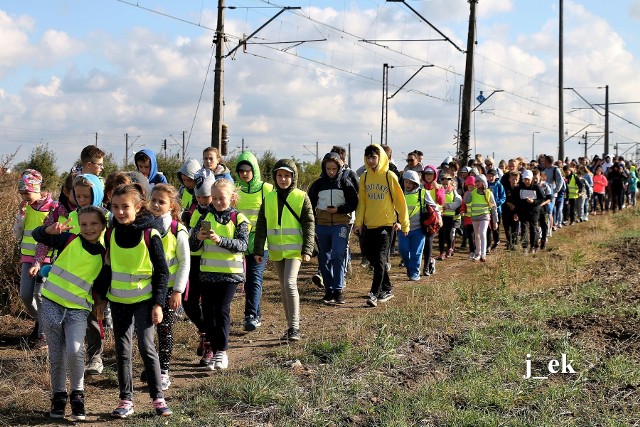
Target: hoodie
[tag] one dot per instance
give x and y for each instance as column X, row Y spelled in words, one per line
column 154, row 177
column 97, row 190
column 127, row 237
column 306, row 215
column 380, row 197
column 338, row 191
column 222, row 171
column 435, row 190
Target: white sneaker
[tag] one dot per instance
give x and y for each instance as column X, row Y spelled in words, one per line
column 220, row 360
column 476, row 258
column 472, row 255
column 165, row 381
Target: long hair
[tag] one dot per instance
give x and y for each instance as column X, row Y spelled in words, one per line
column 170, row 191
column 136, row 192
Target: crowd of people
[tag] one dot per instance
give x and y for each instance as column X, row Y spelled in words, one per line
column 127, row 252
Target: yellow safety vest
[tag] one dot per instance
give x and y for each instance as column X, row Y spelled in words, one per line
column 192, row 223
column 131, row 271
column 186, row 199
column 71, row 277
column 220, row 260
column 170, row 245
column 415, row 201
column 573, row 187
column 32, row 219
column 284, row 239
column 449, row 198
column 479, row 204
column 249, row 204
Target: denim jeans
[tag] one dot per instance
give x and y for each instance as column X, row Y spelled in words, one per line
column 332, row 249
column 253, row 284
column 411, row 247
column 558, row 209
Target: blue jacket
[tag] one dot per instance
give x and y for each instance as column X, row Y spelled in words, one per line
column 154, row 176
column 499, row 195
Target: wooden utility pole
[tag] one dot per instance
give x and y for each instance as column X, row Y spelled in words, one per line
column 467, row 91
column 606, row 120
column 561, row 87
column 218, row 82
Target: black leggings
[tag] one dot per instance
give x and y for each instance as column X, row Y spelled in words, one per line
column 165, row 334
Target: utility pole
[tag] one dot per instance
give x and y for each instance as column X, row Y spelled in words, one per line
column 96, row 139
column 243, row 143
column 126, row 149
column 349, row 154
column 317, row 153
column 467, row 92
column 606, row 120
column 184, row 146
column 560, row 87
column 385, row 101
column 586, row 142
column 218, row 85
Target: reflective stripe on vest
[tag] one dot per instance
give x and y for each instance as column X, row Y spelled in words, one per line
column 220, row 260
column 73, row 290
column 131, row 271
column 412, row 200
column 32, row 219
column 479, row 204
column 284, row 239
column 449, row 198
column 573, row 187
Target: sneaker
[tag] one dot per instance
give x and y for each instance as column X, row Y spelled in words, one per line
column 339, row 296
column 495, row 245
column 251, row 323
column 441, row 257
column 432, row 266
column 317, row 280
column 385, row 296
column 77, row 406
column 293, row 334
column 472, row 255
column 426, row 272
column 58, row 405
column 165, row 381
column 364, row 263
column 328, row 297
column 488, row 251
column 41, row 343
column 372, row 300
column 207, row 357
column 162, row 410
column 202, row 343
column 415, row 277
column 220, row 360
column 388, row 266
column 476, row 258
column 449, row 253
column 124, row 409
column 94, row 367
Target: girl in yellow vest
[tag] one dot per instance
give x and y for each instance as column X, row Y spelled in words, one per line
column 33, row 210
column 222, row 235
column 137, row 292
column 450, row 217
column 67, row 301
column 175, row 240
column 482, row 207
column 286, row 223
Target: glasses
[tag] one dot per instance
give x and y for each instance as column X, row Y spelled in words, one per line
column 445, row 179
column 100, row 165
column 411, row 160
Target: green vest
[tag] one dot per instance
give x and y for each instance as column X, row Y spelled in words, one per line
column 479, row 204
column 220, row 260
column 449, row 198
column 70, row 282
column 32, row 219
column 415, row 201
column 170, row 245
column 249, row 204
column 131, row 271
column 573, row 187
column 186, row 199
column 284, row 239
column 192, row 223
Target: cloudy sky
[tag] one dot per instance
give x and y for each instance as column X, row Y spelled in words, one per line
column 71, row 69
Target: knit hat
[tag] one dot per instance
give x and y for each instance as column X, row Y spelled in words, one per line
column 412, row 176
column 527, row 174
column 31, row 181
column 470, row 181
column 204, row 180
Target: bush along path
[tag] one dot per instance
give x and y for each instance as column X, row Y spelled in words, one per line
column 546, row 339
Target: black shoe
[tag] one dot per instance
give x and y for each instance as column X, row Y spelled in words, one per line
column 317, row 280
column 432, row 266
column 292, row 334
column 385, row 296
column 495, row 245
column 58, row 405
column 339, row 296
column 33, row 335
column 143, row 376
column 77, row 406
column 328, row 297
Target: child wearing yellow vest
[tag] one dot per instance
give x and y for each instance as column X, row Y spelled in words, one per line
column 286, row 223
column 67, row 301
column 33, row 211
column 137, row 292
column 175, row 241
column 222, row 235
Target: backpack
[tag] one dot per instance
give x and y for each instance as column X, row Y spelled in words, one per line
column 428, row 218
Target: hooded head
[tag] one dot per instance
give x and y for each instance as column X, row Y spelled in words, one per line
column 142, row 156
column 331, row 158
column 412, row 176
column 483, row 179
column 383, row 159
column 92, row 182
column 430, row 168
column 204, row 180
column 290, row 166
column 189, row 169
column 470, row 181
column 247, row 158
